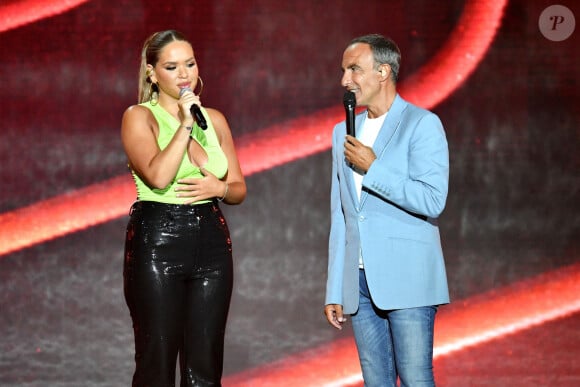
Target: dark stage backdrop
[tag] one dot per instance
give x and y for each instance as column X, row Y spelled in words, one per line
column 65, row 80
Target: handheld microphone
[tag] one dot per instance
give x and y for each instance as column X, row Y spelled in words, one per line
column 349, row 102
column 195, row 111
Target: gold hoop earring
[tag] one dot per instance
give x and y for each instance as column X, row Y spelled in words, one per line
column 154, row 94
column 200, row 83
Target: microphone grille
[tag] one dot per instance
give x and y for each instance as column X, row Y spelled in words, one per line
column 185, row 89
column 349, row 99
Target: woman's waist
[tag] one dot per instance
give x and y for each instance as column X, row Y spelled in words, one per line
column 151, row 207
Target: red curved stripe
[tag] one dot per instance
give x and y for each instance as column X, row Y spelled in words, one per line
column 460, row 55
column 19, row 13
column 463, row 324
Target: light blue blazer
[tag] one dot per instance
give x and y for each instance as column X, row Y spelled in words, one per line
column 394, row 225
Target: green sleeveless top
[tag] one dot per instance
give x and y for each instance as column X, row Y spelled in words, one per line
column 217, row 162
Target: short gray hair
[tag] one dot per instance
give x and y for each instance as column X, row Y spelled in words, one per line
column 385, row 51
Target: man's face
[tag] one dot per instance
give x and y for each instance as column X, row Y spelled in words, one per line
column 360, row 74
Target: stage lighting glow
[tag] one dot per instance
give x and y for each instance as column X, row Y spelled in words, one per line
column 21, row 12
column 273, row 146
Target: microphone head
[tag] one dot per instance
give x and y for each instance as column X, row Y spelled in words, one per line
column 184, row 90
column 349, row 100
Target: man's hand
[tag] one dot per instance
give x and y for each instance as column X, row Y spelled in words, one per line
column 358, row 154
column 334, row 315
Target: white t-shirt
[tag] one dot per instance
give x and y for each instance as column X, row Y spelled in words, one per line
column 367, row 135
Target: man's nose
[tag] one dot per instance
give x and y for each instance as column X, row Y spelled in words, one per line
column 346, row 80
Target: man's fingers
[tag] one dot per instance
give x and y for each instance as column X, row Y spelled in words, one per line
column 334, row 315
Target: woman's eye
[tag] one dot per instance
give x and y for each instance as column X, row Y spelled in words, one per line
column 170, row 68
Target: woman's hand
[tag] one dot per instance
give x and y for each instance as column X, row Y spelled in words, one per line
column 186, row 100
column 196, row 189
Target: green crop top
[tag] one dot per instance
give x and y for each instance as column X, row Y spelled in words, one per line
column 217, row 162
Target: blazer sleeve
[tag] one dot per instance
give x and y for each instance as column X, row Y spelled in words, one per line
column 337, row 237
column 413, row 173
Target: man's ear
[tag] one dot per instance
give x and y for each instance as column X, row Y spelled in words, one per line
column 385, row 70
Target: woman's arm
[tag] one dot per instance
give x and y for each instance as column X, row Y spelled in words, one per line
column 139, row 130
column 236, row 184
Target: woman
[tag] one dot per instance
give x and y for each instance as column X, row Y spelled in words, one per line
column 178, row 269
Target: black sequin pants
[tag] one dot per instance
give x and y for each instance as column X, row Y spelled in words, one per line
column 178, row 276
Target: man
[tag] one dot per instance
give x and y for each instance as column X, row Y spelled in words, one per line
column 389, row 185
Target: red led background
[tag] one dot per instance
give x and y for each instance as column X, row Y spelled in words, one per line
column 506, row 95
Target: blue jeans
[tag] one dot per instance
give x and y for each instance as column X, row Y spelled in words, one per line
column 393, row 343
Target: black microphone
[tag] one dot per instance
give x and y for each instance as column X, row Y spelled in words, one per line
column 195, row 111
column 349, row 102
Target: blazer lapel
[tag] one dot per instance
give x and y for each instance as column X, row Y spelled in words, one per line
column 389, row 128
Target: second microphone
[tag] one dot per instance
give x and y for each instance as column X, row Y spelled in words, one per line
column 349, row 102
column 195, row 111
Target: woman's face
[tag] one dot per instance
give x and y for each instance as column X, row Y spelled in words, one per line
column 175, row 69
